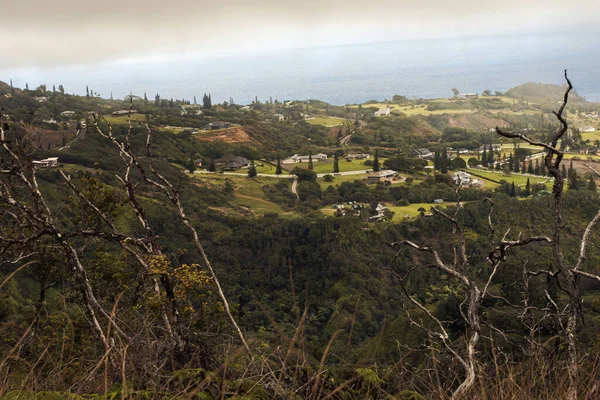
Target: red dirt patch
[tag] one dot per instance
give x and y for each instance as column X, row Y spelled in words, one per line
column 229, row 135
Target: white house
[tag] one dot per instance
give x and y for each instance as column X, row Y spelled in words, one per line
column 380, row 213
column 585, row 129
column 382, row 111
column 49, row 162
column 123, row 112
column 295, row 159
column 461, row 178
column 67, row 113
column 421, row 153
column 278, row 117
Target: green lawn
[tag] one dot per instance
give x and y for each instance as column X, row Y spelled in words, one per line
column 259, row 206
column 519, row 180
column 417, row 110
column 337, row 180
column 582, row 157
column 248, row 192
column 327, row 121
column 411, row 210
column 326, row 167
column 123, row 119
column 267, row 169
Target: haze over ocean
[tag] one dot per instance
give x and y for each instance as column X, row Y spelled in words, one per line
column 344, row 74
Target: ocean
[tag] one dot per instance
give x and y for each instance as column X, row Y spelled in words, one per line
column 344, row 74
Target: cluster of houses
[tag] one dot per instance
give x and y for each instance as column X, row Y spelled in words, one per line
column 355, row 209
column 377, row 211
column 426, row 154
column 587, row 129
column 191, row 109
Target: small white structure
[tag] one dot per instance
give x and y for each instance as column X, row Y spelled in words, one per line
column 295, row 159
column 421, row 153
column 476, row 183
column 461, row 178
column 357, row 156
column 382, row 111
column 49, row 162
column 279, row 117
column 123, row 112
column 67, row 113
column 380, row 213
column 586, row 129
column 466, row 96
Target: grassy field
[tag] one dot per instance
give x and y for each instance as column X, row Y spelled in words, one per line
column 411, row 210
column 591, row 136
column 582, row 157
column 337, row 180
column 422, row 110
column 327, row 121
column 326, row 167
column 400, row 213
column 123, row 120
column 519, row 180
column 248, row 192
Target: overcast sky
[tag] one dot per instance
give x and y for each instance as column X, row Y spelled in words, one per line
column 38, row 33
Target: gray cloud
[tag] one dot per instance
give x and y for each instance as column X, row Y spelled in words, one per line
column 42, row 32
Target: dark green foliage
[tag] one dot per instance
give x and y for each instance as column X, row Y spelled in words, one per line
column 304, row 174
column 252, row 170
column 376, row 166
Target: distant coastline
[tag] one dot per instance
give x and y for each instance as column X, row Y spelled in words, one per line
column 346, row 74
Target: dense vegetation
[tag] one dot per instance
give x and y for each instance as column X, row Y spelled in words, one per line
column 327, row 307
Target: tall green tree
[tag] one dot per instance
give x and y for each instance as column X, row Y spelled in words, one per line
column 376, row 166
column 211, row 165
column 437, row 161
column 592, row 184
column 336, row 164
column 310, row 161
column 278, row 170
column 527, row 191
column 252, row 170
column 484, row 157
column 491, row 157
column 444, row 162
